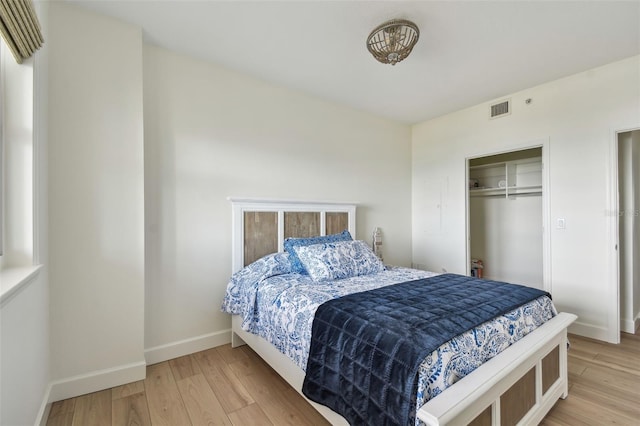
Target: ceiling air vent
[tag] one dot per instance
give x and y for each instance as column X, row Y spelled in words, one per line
column 500, row 109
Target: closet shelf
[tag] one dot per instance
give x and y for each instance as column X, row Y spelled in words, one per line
column 509, row 179
column 508, row 191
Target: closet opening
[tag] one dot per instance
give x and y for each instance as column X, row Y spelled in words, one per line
column 505, row 217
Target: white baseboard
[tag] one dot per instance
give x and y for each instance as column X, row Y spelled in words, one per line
column 589, row 330
column 45, row 408
column 116, row 376
column 96, row 381
column 628, row 326
column 185, row 347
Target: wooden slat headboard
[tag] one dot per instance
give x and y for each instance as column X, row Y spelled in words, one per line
column 260, row 226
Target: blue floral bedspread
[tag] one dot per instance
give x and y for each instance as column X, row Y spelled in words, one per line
column 279, row 306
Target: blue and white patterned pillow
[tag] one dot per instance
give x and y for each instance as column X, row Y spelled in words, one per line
column 291, row 243
column 241, row 292
column 335, row 261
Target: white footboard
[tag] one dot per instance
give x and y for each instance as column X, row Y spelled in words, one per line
column 533, row 369
column 486, row 391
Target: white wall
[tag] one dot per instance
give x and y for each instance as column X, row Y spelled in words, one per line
column 506, row 235
column 96, row 201
column 211, row 133
column 578, row 116
column 24, row 353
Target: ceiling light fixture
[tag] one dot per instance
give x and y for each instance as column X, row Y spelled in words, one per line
column 392, row 41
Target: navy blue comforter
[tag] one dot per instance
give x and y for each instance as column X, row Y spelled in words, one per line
column 366, row 348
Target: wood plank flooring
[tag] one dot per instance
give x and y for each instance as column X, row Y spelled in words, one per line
column 220, row 386
column 225, row 386
column 604, row 384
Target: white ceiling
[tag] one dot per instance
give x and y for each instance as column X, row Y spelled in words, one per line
column 469, row 52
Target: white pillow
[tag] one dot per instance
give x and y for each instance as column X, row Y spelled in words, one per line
column 338, row 260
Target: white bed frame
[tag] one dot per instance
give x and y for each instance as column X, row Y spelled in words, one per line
column 464, row 401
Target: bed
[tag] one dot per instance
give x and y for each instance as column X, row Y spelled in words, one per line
column 520, row 381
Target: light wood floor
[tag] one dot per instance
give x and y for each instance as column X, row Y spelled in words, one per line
column 235, row 387
column 604, row 384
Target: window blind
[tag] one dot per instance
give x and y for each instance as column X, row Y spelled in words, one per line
column 20, row 28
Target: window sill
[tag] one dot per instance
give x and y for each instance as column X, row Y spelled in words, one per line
column 13, row 280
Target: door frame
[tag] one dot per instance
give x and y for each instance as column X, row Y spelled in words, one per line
column 613, row 214
column 546, row 210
